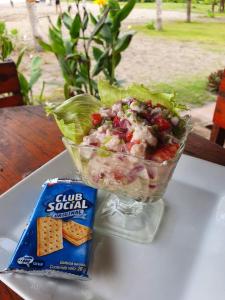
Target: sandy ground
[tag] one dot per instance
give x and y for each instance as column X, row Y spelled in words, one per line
column 155, row 59
column 147, row 59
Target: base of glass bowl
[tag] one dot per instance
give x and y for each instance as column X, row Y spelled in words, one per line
column 129, row 219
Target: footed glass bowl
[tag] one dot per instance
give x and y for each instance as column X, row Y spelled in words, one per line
column 133, row 207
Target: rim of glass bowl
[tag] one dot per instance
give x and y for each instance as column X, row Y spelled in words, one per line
column 148, row 161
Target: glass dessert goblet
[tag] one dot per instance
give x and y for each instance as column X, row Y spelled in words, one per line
column 132, row 207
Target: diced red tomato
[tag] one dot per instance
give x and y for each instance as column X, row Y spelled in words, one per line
column 94, row 144
column 96, row 119
column 128, row 136
column 149, row 103
column 116, row 121
column 160, row 105
column 118, row 175
column 130, row 144
column 164, row 153
column 162, row 123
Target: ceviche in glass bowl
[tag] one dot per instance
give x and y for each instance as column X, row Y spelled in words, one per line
column 128, row 145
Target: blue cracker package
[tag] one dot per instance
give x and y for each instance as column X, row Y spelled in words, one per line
column 58, row 238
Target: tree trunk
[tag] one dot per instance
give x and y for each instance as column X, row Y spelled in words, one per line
column 189, row 11
column 213, row 8
column 221, row 9
column 32, row 12
column 159, row 15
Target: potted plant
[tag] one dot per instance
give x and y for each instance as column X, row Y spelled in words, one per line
column 15, row 88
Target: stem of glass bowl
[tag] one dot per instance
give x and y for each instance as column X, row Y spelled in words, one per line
column 127, row 218
column 123, row 205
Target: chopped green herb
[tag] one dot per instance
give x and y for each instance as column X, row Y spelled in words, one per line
column 106, row 139
column 103, row 151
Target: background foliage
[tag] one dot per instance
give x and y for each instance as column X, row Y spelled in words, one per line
column 89, row 37
column 7, row 47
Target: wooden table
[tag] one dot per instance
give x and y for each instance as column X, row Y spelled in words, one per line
column 28, row 139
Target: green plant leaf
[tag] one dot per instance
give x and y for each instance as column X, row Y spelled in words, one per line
column 59, row 22
column 14, row 32
column 35, row 70
column 106, row 33
column 2, row 27
column 20, row 57
column 85, row 19
column 81, row 80
column 99, row 25
column 67, row 20
column 123, row 14
column 114, row 7
column 73, row 116
column 100, row 63
column 66, row 71
column 98, row 41
column 36, row 63
column 24, row 84
column 117, row 59
column 66, row 92
column 57, row 42
column 75, row 27
column 93, row 19
column 124, row 42
column 97, row 52
column 126, row 10
column 95, row 86
column 74, row 56
column 44, row 45
column 84, row 71
column 41, row 96
column 7, row 47
column 68, row 45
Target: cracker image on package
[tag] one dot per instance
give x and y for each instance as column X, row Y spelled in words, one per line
column 75, row 233
column 57, row 239
column 49, row 235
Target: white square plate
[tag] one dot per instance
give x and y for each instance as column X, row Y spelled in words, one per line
column 186, row 261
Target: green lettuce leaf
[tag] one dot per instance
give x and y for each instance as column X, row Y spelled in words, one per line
column 111, row 94
column 73, row 116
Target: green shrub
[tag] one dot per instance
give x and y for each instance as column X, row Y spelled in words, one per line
column 105, row 44
column 7, row 46
column 151, row 25
column 214, row 81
